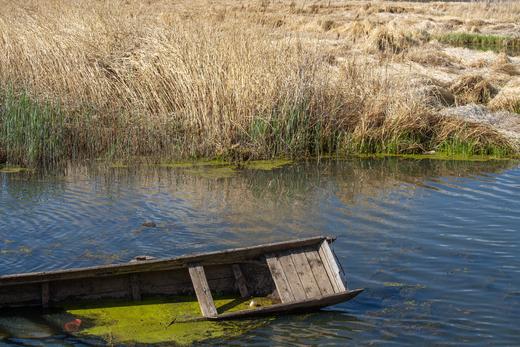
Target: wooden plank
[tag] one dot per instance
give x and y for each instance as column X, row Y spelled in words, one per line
column 200, row 284
column 135, row 289
column 303, row 305
column 331, row 267
column 45, row 294
column 318, row 270
column 292, row 276
column 303, row 269
column 280, row 281
column 230, row 256
column 240, row 280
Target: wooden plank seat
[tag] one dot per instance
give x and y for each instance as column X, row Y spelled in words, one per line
column 305, row 273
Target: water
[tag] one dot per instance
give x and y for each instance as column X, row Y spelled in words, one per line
column 436, row 243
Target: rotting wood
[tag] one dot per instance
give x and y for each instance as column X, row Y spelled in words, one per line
column 331, row 267
column 305, row 273
column 202, row 290
column 292, row 276
column 45, row 294
column 319, row 272
column 135, row 288
column 279, row 278
column 240, row 280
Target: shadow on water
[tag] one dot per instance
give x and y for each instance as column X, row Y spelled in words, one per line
column 434, row 242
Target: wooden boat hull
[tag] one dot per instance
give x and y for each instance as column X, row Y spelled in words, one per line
column 293, row 307
column 298, row 275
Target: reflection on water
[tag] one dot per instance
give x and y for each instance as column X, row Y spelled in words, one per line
column 434, row 242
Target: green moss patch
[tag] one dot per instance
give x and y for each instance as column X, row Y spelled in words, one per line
column 213, row 172
column 159, row 321
column 12, row 169
column 266, row 165
column 438, row 156
column 192, row 164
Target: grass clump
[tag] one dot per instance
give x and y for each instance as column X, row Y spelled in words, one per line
column 430, row 57
column 472, row 89
column 31, row 132
column 497, row 43
column 503, row 64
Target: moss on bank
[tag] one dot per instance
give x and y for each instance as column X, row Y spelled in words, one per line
column 156, row 321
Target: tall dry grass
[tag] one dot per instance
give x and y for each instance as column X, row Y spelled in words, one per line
column 126, row 78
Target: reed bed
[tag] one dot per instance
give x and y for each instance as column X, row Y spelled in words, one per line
column 125, row 79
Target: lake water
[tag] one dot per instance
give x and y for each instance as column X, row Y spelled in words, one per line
column 436, row 244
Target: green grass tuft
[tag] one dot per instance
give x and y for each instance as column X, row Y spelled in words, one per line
column 497, row 43
column 31, row 132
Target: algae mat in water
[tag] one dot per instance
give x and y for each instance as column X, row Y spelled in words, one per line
column 155, row 321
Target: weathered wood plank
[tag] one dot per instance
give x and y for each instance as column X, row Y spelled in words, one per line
column 305, row 273
column 45, row 294
column 201, row 287
column 292, row 276
column 230, row 256
column 240, row 280
column 303, row 305
column 331, row 267
column 135, row 288
column 280, row 281
column 319, row 272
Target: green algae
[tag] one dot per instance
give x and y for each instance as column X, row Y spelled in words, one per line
column 118, row 165
column 213, row 172
column 402, row 285
column 159, row 321
column 435, row 156
column 266, row 165
column 13, row 169
column 24, row 250
column 192, row 164
column 223, row 169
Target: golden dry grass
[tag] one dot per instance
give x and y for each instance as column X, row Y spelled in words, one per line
column 202, row 79
column 472, row 89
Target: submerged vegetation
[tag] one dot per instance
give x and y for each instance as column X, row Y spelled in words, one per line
column 233, row 83
column 161, row 321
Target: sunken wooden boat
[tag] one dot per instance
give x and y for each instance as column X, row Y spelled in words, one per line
column 300, row 275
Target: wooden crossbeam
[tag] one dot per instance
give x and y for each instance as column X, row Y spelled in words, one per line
column 200, row 284
column 241, row 282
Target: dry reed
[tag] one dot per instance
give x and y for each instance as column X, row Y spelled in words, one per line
column 122, row 79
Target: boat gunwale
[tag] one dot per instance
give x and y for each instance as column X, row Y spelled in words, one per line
column 294, row 306
column 230, row 256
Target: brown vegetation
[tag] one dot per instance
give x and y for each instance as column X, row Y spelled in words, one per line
column 472, row 89
column 248, row 80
